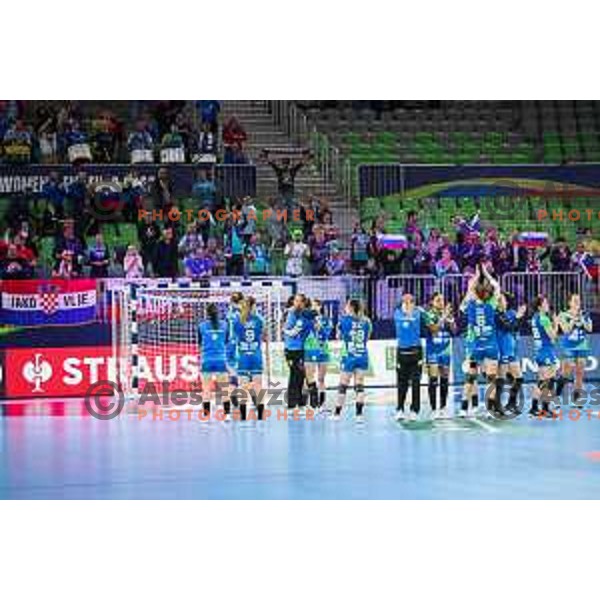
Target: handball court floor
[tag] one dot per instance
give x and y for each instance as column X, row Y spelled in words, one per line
column 74, row 457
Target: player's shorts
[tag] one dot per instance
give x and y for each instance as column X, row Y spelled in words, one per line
column 576, row 353
column 214, row 366
column 508, row 359
column 546, row 358
column 231, row 356
column 435, row 357
column 249, row 366
column 355, row 363
column 317, row 356
column 479, row 354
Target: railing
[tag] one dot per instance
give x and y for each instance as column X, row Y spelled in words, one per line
column 291, row 119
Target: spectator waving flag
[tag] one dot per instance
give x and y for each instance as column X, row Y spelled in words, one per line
column 57, row 302
column 532, row 239
column 393, row 241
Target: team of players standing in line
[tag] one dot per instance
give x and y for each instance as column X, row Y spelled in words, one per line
column 232, row 352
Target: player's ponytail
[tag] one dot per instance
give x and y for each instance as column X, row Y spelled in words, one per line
column 248, row 305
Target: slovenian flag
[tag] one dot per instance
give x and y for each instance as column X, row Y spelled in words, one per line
column 393, row 241
column 532, row 239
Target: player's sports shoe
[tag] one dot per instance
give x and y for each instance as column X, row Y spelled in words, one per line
column 335, row 417
column 413, row 416
column 443, row 414
column 463, row 414
column 400, row 416
column 227, row 418
column 359, row 419
column 534, row 413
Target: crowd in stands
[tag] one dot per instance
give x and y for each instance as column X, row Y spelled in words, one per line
column 430, row 251
column 58, row 234
column 152, row 131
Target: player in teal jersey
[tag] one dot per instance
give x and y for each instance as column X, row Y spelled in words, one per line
column 250, row 333
column 544, row 329
column 481, row 343
column 354, row 332
column 575, row 326
column 316, row 354
column 440, row 326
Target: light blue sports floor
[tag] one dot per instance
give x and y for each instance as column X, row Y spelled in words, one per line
column 77, row 457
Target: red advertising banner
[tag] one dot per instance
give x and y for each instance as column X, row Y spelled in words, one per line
column 69, row 372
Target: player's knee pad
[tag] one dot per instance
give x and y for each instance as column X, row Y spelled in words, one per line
column 471, row 378
column 342, row 389
column 510, row 378
column 359, row 388
column 491, row 378
column 518, row 383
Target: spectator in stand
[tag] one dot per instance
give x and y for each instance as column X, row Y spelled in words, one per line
column 206, row 142
column 18, row 143
column 435, row 243
column 257, row 256
column 234, row 248
column 319, row 251
column 105, row 138
column 77, row 194
column 559, row 254
column 165, row 114
column 336, row 263
column 149, row 237
column 66, row 267
column 25, row 249
column 286, row 172
column 161, row 191
column 191, row 241
column 74, row 136
column 167, row 256
column 416, row 258
column 216, row 253
column 173, row 139
column 296, row 251
column 331, row 231
column 199, row 264
column 582, row 261
column 133, row 264
column 446, row 265
column 234, row 138
column 99, row 258
column 503, row 263
column 205, row 190
column 249, row 218
column 412, row 225
column 491, row 245
column 141, row 138
column 54, row 192
column 208, row 112
column 13, row 266
column 69, row 251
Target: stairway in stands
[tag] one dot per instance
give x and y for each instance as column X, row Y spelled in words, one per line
column 264, row 132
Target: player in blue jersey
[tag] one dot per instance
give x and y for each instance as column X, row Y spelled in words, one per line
column 354, row 332
column 233, row 314
column 296, row 328
column 409, row 320
column 508, row 323
column 212, row 341
column 544, row 329
column 481, row 344
column 440, row 327
column 317, row 354
column 576, row 327
column 250, row 333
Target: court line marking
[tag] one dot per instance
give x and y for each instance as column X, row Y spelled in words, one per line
column 485, row 426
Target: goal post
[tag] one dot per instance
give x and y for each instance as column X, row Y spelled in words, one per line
column 155, row 328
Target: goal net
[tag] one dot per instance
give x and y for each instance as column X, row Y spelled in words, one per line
column 155, row 331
